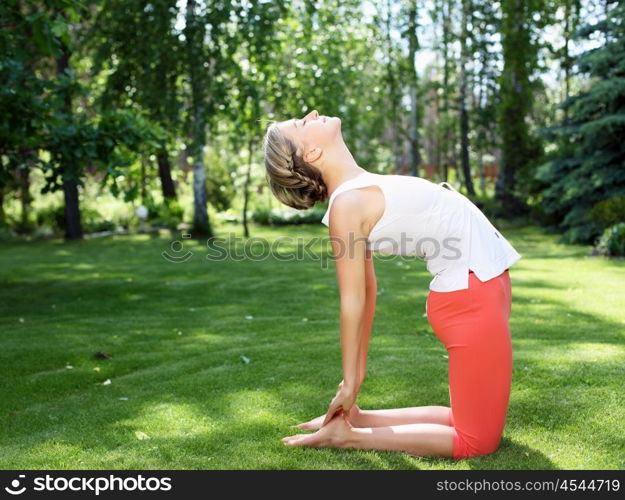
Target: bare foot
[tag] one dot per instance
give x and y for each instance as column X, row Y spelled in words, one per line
column 315, row 423
column 334, row 434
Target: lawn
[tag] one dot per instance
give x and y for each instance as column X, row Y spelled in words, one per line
column 213, row 359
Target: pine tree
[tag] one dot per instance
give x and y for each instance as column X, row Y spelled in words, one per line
column 589, row 163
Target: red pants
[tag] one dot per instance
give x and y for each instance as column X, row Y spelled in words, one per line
column 473, row 325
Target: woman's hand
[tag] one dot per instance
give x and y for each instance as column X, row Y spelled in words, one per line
column 343, row 401
column 315, row 423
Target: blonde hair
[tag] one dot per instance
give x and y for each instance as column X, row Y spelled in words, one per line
column 292, row 180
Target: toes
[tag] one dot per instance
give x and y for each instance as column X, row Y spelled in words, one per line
column 292, row 439
column 298, row 440
column 311, row 425
column 289, row 440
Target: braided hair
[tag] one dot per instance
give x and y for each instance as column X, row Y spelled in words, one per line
column 292, row 180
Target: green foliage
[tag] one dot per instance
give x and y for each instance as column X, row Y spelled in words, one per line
column 219, row 182
column 93, row 221
column 167, row 214
column 40, row 115
column 7, row 233
column 25, row 110
column 609, row 212
column 122, row 137
column 53, row 217
column 587, row 166
column 519, row 146
column 281, row 217
column 612, row 241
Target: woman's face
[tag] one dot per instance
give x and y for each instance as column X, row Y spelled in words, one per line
column 311, row 132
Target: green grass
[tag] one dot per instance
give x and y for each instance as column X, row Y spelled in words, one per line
column 176, row 333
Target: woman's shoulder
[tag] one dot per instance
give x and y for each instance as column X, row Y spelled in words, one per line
column 348, row 205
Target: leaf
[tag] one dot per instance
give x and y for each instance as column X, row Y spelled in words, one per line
column 141, row 435
column 59, row 26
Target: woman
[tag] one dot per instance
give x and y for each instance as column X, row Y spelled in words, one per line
column 468, row 305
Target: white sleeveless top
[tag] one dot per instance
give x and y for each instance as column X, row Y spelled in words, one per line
column 440, row 225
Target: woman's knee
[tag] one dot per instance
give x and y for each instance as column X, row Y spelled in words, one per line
column 482, row 446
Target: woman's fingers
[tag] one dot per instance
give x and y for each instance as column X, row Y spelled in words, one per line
column 315, row 423
column 331, row 412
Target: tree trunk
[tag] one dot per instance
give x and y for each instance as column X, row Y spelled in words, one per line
column 73, row 227
column 25, row 198
column 396, row 143
column 194, row 33
column 446, row 10
column 462, row 101
column 164, row 172
column 480, row 142
column 413, row 43
column 201, row 226
column 246, row 187
column 143, row 181
column 515, row 104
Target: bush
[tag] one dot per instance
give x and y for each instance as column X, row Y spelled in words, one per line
column 91, row 220
column 228, row 217
column 262, row 216
column 52, row 217
column 6, row 232
column 281, row 217
column 612, row 241
column 168, row 214
column 609, row 212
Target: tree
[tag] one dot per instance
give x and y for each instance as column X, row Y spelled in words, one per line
column 38, row 75
column 588, row 165
column 137, row 45
column 413, row 84
column 462, row 97
column 519, row 148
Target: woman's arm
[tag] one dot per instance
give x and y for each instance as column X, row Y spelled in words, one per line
column 371, row 290
column 349, row 246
